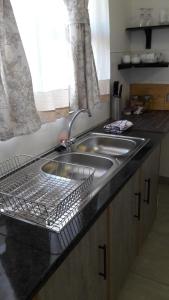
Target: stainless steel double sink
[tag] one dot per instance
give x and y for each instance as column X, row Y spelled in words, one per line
column 51, row 200
column 106, row 153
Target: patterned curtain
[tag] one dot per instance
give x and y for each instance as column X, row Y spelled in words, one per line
column 84, row 90
column 18, row 114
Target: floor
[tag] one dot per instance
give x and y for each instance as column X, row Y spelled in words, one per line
column 149, row 277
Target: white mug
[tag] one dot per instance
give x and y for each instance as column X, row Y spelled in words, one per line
column 126, row 59
column 163, row 15
column 135, row 59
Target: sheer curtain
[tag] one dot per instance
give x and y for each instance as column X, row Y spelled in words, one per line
column 42, row 28
column 85, row 90
column 18, row 115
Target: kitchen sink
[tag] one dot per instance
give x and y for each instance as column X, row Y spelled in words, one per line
column 101, row 164
column 50, row 191
column 108, row 144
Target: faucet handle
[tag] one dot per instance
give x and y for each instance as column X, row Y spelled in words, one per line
column 72, row 141
column 66, row 143
column 63, row 142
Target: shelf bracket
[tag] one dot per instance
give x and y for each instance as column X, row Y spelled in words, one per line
column 148, row 33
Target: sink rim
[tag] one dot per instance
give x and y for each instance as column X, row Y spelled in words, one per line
column 104, row 156
column 109, row 135
column 139, row 143
column 113, row 168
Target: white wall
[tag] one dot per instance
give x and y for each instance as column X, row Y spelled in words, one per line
column 160, row 41
column 120, row 11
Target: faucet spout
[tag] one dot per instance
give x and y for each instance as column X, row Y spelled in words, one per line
column 73, row 119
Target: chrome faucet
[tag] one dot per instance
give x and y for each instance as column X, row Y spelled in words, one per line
column 69, row 141
column 73, row 119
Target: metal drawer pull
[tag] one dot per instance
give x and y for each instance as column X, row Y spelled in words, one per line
column 104, row 273
column 147, row 189
column 139, row 205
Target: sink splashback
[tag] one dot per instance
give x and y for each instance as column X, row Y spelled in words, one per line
column 159, row 94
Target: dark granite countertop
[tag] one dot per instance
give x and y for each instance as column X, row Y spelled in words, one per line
column 30, row 254
column 155, row 121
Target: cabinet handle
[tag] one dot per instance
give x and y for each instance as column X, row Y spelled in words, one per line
column 139, row 205
column 104, row 273
column 148, row 189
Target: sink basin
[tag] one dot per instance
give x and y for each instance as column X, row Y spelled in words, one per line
column 101, row 164
column 72, row 165
column 106, row 145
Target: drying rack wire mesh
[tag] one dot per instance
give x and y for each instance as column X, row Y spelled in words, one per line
column 44, row 191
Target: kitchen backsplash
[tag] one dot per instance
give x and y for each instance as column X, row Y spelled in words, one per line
column 159, row 94
column 49, row 134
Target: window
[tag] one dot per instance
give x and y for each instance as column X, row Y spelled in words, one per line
column 42, row 26
column 99, row 21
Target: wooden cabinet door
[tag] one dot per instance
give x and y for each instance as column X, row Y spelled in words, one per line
column 81, row 276
column 164, row 157
column 123, row 235
column 149, row 188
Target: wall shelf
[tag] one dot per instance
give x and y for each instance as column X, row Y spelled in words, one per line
column 144, row 65
column 148, row 32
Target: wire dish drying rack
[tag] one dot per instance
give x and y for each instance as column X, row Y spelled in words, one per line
column 43, row 191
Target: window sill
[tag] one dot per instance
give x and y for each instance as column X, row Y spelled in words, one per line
column 53, row 115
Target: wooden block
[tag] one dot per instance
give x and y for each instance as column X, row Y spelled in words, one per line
column 159, row 94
